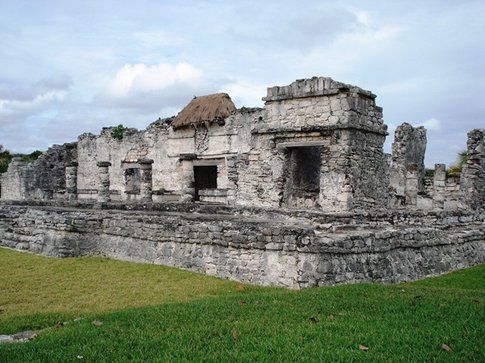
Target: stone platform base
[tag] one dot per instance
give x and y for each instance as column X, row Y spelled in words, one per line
column 267, row 247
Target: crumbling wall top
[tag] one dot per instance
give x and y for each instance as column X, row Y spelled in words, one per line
column 312, row 87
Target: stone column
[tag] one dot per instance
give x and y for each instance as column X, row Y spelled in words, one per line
column 472, row 178
column 71, row 181
column 103, row 174
column 439, row 186
column 412, row 185
column 408, row 150
column 146, row 186
column 187, row 181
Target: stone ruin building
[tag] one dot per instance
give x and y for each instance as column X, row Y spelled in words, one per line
column 297, row 193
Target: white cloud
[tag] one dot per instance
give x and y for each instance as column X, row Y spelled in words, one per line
column 431, row 124
column 16, row 102
column 8, row 107
column 140, row 78
column 245, row 93
column 154, row 90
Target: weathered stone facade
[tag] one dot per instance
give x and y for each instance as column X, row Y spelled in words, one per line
column 315, row 146
column 269, row 247
column 254, row 151
column 43, row 179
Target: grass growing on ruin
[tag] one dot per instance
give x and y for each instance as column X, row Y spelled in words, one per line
column 405, row 322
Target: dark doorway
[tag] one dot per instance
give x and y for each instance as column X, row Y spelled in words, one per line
column 303, row 175
column 205, row 178
column 305, row 168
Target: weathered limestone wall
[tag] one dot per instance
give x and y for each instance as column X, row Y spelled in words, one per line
column 166, row 147
column 472, row 183
column 42, row 179
column 320, row 101
column 123, row 154
column 17, row 182
column 369, row 171
column 343, row 121
column 406, row 171
column 49, row 169
column 263, row 247
column 452, row 194
column 258, row 175
column 92, row 149
column 441, row 191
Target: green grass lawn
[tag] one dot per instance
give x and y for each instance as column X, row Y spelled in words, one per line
column 158, row 313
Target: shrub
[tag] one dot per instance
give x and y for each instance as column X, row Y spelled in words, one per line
column 117, row 132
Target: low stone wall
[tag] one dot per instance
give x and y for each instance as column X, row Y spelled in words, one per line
column 267, row 247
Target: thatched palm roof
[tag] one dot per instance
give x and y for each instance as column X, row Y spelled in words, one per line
column 205, row 109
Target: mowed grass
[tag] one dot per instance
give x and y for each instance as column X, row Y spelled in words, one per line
column 38, row 291
column 188, row 317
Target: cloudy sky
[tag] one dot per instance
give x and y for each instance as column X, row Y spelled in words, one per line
column 69, row 67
